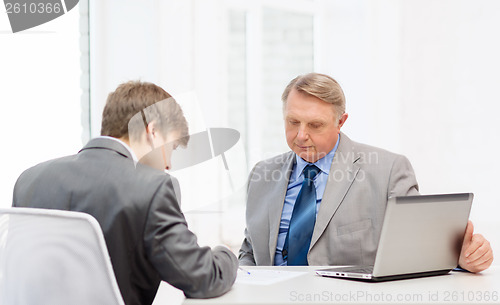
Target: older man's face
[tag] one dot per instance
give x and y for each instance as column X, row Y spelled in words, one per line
column 312, row 126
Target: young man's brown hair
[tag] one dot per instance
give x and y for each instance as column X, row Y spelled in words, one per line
column 135, row 104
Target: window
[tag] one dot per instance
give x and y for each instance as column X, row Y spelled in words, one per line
column 40, row 94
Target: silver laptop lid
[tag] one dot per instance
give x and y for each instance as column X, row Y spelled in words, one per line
column 422, row 233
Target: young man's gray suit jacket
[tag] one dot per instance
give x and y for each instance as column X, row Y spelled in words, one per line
column 350, row 216
column 145, row 231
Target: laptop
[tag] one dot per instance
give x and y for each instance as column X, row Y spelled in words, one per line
column 421, row 236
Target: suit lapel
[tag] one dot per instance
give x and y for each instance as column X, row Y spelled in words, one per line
column 276, row 199
column 342, row 174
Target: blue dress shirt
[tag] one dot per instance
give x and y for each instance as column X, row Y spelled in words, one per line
column 294, row 185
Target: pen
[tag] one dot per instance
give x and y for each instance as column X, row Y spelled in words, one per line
column 246, row 271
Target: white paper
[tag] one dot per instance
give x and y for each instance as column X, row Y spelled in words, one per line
column 264, row 277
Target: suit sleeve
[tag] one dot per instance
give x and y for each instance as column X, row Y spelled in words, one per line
column 402, row 180
column 246, row 251
column 246, row 257
column 198, row 271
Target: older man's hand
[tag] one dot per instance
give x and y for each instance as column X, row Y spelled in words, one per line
column 476, row 254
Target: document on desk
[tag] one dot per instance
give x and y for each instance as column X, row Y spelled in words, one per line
column 265, row 277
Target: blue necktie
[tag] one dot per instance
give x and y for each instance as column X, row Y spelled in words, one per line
column 302, row 222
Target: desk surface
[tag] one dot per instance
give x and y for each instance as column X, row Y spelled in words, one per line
column 308, row 288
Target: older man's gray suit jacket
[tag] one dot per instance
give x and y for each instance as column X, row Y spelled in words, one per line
column 349, row 220
column 145, row 231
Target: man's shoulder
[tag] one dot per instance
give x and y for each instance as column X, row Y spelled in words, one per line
column 145, row 172
column 275, row 162
column 40, row 175
column 272, row 169
column 102, row 163
column 366, row 153
column 40, row 167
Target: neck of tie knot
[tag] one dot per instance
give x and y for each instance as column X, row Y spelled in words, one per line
column 311, row 171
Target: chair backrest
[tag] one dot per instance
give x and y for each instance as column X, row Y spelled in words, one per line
column 51, row 257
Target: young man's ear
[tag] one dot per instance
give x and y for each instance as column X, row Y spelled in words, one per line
column 151, row 133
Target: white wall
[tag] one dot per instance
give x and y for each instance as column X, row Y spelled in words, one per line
column 39, row 95
column 421, row 79
column 451, row 100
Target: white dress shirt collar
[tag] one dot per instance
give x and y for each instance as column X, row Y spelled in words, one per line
column 134, row 157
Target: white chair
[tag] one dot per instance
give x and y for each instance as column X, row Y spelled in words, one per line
column 50, row 257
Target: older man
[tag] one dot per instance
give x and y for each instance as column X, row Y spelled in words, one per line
column 323, row 203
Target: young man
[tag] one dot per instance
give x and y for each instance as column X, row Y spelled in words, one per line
column 347, row 184
column 119, row 179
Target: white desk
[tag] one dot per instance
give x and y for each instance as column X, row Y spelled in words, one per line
column 308, row 288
